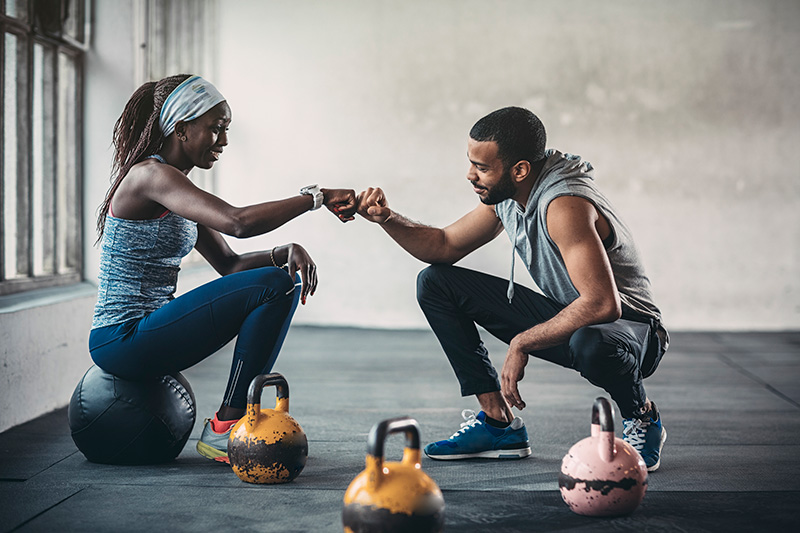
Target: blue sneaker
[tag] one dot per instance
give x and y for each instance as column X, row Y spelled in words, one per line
column 647, row 436
column 476, row 438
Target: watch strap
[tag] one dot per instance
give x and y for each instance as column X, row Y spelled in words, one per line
column 315, row 192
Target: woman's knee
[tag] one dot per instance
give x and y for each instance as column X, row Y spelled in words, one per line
column 276, row 281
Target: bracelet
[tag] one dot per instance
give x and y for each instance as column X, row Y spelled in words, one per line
column 272, row 257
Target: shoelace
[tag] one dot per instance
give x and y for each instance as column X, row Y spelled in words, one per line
column 470, row 420
column 635, row 431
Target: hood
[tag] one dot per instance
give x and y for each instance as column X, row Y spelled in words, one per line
column 558, row 167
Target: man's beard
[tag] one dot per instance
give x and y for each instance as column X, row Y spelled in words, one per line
column 504, row 190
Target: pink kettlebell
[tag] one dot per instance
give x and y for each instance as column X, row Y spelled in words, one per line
column 602, row 475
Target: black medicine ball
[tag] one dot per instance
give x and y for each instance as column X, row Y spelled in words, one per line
column 117, row 421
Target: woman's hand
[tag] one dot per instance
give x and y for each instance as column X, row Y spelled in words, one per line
column 340, row 202
column 299, row 260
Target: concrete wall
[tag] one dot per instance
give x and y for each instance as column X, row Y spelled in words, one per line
column 687, row 109
column 42, row 351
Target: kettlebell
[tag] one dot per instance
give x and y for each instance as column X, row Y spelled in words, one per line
column 267, row 445
column 393, row 497
column 602, row 475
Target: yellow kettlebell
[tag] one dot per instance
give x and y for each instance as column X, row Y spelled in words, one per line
column 393, row 496
column 267, row 445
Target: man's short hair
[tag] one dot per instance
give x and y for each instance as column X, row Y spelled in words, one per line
column 519, row 135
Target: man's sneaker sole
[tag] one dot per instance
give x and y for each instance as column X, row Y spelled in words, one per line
column 520, row 453
column 212, row 453
column 661, row 447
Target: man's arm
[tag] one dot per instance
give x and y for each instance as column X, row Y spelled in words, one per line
column 428, row 244
column 571, row 223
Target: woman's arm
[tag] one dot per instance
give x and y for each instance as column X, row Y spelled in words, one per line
column 169, row 187
column 213, row 247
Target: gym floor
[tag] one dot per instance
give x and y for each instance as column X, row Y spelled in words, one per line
column 730, row 402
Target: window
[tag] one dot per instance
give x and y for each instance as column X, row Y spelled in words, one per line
column 41, row 78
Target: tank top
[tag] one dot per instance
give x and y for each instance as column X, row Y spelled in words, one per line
column 568, row 175
column 139, row 265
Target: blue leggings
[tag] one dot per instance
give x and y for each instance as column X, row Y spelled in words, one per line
column 257, row 305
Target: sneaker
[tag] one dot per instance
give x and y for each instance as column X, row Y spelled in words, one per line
column 476, row 438
column 212, row 444
column 647, row 436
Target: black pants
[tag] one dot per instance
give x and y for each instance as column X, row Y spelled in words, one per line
column 609, row 355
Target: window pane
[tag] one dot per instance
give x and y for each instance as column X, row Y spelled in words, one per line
column 157, row 39
column 42, row 172
column 17, row 9
column 73, row 25
column 67, row 231
column 10, row 158
column 15, row 167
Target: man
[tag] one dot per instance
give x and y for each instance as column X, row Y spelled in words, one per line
column 596, row 315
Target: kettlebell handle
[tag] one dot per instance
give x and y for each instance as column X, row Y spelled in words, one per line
column 603, row 416
column 381, row 430
column 264, row 380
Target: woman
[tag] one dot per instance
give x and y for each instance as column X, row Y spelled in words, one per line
column 153, row 215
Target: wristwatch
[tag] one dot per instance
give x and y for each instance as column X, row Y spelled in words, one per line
column 314, row 190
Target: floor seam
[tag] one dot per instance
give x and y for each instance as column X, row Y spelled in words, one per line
column 727, row 360
column 34, row 517
column 32, row 476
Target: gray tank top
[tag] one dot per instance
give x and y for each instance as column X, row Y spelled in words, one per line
column 568, row 175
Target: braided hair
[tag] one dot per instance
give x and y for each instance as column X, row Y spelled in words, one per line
column 137, row 134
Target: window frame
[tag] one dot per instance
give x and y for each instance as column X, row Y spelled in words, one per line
column 61, row 264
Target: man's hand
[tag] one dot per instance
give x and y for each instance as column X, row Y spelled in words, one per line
column 340, row 202
column 512, row 373
column 373, row 206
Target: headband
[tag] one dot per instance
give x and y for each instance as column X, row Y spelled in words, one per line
column 189, row 100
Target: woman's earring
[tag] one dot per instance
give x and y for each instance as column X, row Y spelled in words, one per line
column 182, row 137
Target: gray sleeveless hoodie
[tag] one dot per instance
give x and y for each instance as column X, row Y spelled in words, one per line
column 568, row 175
